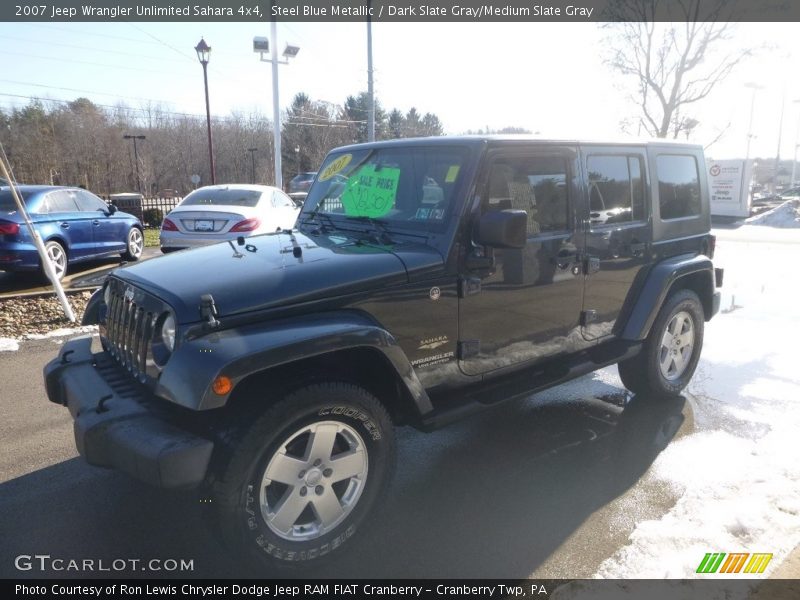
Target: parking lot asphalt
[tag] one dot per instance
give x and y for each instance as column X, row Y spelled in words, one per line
column 531, row 488
column 81, row 276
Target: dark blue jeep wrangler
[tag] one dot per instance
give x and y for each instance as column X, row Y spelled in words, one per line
column 425, row 280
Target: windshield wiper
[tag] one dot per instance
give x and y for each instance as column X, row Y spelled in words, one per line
column 379, row 229
column 311, row 216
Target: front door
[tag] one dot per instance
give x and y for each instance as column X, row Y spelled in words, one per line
column 527, row 307
column 109, row 232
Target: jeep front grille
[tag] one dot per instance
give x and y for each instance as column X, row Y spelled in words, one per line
column 129, row 332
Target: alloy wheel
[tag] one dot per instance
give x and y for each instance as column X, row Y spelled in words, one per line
column 677, row 345
column 314, row 480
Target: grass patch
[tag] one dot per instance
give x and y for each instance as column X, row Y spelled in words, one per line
column 151, row 237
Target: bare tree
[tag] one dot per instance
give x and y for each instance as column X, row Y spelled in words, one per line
column 670, row 51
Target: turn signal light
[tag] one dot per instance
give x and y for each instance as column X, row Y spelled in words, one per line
column 222, row 385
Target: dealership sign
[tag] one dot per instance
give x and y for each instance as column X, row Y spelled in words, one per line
column 729, row 186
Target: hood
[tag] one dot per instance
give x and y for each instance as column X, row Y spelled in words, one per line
column 265, row 273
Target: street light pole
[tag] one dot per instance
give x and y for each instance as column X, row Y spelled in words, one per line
column 796, row 140
column 203, row 51
column 370, row 86
column 755, row 87
column 261, row 46
column 780, row 137
column 276, row 108
column 252, row 152
column 135, row 157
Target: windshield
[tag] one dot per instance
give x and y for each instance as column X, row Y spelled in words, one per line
column 408, row 186
column 223, row 197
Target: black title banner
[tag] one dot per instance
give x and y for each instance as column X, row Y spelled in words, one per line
column 476, row 11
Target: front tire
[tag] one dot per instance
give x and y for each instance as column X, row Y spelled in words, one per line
column 671, row 351
column 305, row 476
column 134, row 245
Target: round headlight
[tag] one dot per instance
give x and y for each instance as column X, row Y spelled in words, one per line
column 107, row 295
column 168, row 332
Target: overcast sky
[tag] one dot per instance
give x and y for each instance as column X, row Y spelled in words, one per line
column 549, row 78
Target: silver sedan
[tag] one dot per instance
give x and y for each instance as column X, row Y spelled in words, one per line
column 223, row 212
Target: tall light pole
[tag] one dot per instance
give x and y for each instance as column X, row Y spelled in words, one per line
column 780, row 137
column 796, row 140
column 136, row 157
column 203, row 51
column 755, row 87
column 261, row 46
column 370, row 88
column 252, row 152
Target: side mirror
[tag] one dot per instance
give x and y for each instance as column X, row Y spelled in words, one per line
column 112, row 209
column 502, row 229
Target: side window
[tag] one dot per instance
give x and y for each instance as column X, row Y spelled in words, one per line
column 61, row 201
column 537, row 185
column 678, row 186
column 90, row 202
column 616, row 189
column 279, row 199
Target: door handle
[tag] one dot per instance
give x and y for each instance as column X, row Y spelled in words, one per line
column 65, row 225
column 95, row 222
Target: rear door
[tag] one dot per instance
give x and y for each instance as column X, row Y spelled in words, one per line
column 282, row 211
column 73, row 225
column 619, row 236
column 528, row 306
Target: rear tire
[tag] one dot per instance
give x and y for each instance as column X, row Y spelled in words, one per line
column 305, row 476
column 671, row 351
column 58, row 256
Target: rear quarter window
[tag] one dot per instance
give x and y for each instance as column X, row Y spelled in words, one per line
column 678, row 186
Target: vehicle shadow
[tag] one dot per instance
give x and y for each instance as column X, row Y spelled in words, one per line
column 80, row 275
column 492, row 496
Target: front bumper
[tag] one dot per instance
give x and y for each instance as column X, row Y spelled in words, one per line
column 119, row 424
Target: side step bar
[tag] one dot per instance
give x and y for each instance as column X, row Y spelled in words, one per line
column 524, row 383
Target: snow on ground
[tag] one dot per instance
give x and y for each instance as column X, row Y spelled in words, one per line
column 8, row 344
column 738, row 475
column 64, row 331
column 783, row 215
column 12, row 344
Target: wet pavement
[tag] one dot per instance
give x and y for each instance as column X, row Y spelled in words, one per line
column 545, row 487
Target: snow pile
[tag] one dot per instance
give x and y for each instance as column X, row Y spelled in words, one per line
column 738, row 477
column 8, row 344
column 63, row 331
column 783, row 215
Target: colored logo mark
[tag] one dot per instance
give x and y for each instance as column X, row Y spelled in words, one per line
column 735, row 562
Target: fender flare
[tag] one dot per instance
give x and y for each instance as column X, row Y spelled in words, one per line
column 247, row 350
column 656, row 288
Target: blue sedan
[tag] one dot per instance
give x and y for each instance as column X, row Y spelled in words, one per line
column 75, row 225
